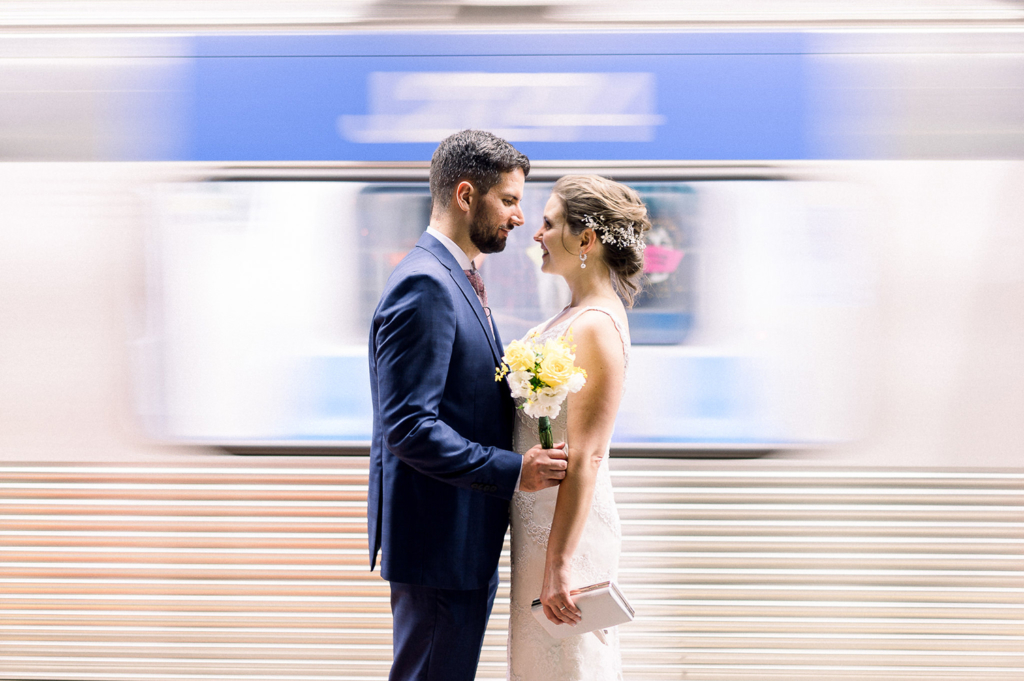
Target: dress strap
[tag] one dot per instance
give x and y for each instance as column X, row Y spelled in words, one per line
column 618, row 325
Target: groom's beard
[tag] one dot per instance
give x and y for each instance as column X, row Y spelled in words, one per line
column 487, row 237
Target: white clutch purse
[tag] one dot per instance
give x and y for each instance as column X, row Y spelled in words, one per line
column 602, row 606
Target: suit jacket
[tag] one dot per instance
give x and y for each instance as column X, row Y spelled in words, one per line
column 441, row 469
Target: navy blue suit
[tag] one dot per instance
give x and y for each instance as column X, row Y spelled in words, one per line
column 441, row 469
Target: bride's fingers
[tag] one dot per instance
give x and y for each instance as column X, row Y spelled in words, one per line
column 571, row 611
column 553, row 614
column 563, row 615
column 559, row 614
column 563, row 609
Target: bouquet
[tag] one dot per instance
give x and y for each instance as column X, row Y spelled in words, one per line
column 543, row 374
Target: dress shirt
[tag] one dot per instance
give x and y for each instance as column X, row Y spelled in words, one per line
column 453, row 248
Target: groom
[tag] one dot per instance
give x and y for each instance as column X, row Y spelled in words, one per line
column 441, row 469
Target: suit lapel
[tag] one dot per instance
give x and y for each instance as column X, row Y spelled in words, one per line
column 435, row 247
column 467, row 290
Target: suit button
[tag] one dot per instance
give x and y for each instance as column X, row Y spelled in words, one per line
column 474, row 486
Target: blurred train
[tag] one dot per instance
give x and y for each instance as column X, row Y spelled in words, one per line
column 832, row 209
column 818, row 455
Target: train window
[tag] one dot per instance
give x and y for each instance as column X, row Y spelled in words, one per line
column 261, row 295
column 392, row 217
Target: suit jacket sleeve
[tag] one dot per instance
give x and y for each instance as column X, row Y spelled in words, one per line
column 413, row 346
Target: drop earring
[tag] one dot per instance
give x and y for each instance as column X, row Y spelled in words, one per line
column 583, row 261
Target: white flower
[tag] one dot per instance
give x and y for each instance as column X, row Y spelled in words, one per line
column 546, row 402
column 577, row 381
column 558, row 393
column 519, row 382
column 548, row 397
column 542, row 406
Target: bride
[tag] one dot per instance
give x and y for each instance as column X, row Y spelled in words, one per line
column 569, row 536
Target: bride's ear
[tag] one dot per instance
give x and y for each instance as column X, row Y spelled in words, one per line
column 587, row 240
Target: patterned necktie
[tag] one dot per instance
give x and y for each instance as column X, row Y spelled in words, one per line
column 477, row 283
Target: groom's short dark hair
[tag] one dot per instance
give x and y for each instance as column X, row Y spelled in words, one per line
column 474, row 155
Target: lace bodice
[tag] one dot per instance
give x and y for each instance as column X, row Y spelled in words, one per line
column 533, row 654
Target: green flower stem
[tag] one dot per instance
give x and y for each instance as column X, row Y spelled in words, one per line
column 546, row 439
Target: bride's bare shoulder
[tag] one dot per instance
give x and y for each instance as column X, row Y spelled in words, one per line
column 596, row 331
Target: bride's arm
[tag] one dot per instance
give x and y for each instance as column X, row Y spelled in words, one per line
column 591, row 419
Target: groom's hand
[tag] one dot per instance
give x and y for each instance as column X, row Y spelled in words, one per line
column 543, row 468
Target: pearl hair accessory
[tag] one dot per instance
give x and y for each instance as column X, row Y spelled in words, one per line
column 623, row 236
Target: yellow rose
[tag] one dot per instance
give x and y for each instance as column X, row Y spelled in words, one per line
column 519, row 356
column 557, row 366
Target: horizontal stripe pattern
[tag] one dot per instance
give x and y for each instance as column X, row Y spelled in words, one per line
column 738, row 570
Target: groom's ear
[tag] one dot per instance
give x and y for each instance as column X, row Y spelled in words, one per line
column 465, row 194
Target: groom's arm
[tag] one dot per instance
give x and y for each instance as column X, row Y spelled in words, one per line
column 413, row 342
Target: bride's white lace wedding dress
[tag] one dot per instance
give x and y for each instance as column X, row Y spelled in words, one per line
column 532, row 654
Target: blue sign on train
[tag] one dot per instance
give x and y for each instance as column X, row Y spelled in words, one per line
column 583, row 96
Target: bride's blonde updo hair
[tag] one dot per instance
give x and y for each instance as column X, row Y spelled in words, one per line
column 618, row 217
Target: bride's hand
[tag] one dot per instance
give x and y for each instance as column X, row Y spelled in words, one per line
column 554, row 596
